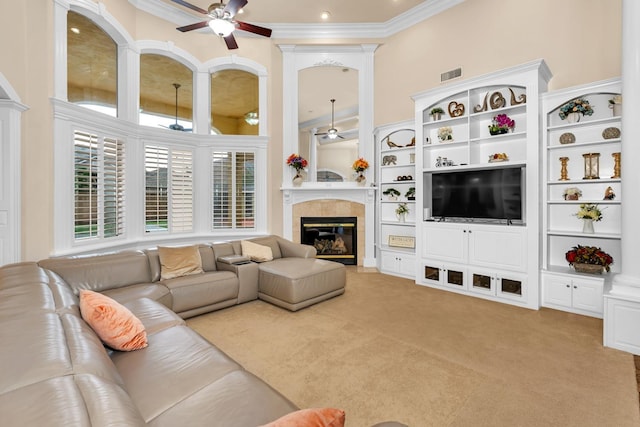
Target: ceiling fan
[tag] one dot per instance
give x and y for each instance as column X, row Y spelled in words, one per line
column 176, row 126
column 332, row 133
column 222, row 22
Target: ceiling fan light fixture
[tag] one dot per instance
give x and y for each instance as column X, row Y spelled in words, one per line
column 332, row 133
column 252, row 118
column 325, row 15
column 222, row 27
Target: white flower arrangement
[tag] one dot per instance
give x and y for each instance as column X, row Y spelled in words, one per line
column 572, row 193
column 589, row 211
column 445, row 133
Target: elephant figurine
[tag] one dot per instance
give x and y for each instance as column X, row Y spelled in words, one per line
column 389, row 160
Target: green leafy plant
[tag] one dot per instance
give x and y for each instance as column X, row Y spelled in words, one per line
column 436, row 110
column 402, row 209
column 411, row 193
column 391, row 192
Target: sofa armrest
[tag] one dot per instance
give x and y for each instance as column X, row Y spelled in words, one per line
column 247, row 279
column 297, row 250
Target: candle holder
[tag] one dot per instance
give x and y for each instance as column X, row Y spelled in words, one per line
column 616, row 165
column 591, row 165
column 563, row 169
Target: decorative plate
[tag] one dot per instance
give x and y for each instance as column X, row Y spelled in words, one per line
column 567, row 138
column 497, row 160
column 610, row 133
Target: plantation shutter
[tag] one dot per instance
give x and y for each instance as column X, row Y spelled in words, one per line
column 233, row 184
column 113, row 187
column 222, row 189
column 181, row 190
column 85, row 159
column 245, row 190
column 156, row 188
column 99, row 184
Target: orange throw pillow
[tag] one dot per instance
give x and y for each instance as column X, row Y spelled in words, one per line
column 116, row 326
column 314, row 417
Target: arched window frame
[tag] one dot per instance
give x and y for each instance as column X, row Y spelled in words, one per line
column 125, row 126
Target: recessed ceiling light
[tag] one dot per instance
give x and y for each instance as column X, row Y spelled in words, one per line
column 325, row 15
column 75, row 30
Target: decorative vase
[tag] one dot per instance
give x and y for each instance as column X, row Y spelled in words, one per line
column 297, row 180
column 361, row 179
column 617, row 109
column 572, row 197
column 499, row 131
column 587, row 226
column 573, row 117
column 587, row 268
column 436, row 116
column 402, row 217
column 392, row 197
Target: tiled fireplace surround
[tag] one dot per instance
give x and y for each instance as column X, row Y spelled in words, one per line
column 333, row 200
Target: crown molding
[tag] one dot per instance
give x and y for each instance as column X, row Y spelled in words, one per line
column 417, row 14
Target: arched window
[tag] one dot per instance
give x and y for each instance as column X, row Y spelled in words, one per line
column 166, row 96
column 92, row 72
column 234, row 102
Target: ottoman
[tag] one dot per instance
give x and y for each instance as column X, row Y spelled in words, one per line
column 295, row 283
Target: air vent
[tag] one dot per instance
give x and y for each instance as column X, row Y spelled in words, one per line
column 453, row 74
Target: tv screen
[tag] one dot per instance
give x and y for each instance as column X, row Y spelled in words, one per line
column 481, row 194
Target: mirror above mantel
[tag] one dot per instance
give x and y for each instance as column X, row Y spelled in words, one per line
column 313, row 75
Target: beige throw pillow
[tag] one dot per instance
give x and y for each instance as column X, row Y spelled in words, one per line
column 257, row 253
column 181, row 261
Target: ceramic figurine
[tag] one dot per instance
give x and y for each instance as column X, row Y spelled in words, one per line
column 609, row 194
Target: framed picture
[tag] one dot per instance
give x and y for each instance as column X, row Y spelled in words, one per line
column 402, row 241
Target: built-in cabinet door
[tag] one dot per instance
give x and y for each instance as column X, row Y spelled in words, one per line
column 556, row 290
column 588, row 295
column 398, row 263
column 445, row 242
column 482, row 281
column 388, row 261
column 498, row 247
column 511, row 286
column 407, row 265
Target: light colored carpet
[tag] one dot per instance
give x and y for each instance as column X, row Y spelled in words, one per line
column 389, row 349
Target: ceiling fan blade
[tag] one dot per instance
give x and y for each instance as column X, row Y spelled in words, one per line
column 262, row 31
column 234, row 6
column 190, row 6
column 321, row 133
column 231, row 42
column 193, row 26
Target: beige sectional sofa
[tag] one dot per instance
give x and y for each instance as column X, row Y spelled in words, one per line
column 56, row 371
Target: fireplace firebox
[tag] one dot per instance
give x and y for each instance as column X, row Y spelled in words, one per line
column 333, row 237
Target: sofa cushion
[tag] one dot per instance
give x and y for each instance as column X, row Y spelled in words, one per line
column 155, row 291
column 200, row 290
column 294, row 280
column 256, row 252
column 113, row 323
column 271, row 241
column 179, row 261
column 313, row 417
column 177, row 363
column 99, row 272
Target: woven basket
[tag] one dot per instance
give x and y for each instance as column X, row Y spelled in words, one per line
column 588, row 268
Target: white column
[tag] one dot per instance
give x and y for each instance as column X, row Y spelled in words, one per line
column 622, row 303
column 630, row 268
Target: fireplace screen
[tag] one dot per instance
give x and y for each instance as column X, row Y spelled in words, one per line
column 333, row 237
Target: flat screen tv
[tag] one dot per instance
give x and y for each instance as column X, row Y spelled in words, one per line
column 486, row 194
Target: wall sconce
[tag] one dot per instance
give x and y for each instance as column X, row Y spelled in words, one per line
column 251, row 118
column 591, row 165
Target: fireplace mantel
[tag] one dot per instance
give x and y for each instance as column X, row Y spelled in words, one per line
column 347, row 191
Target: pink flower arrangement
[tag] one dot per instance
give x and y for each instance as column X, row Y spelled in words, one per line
column 501, row 123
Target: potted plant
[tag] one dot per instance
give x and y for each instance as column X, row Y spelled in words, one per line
column 572, row 193
column 392, row 193
column 401, row 211
column 589, row 259
column 501, row 124
column 615, row 104
column 411, row 193
column 436, row 113
column 574, row 109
